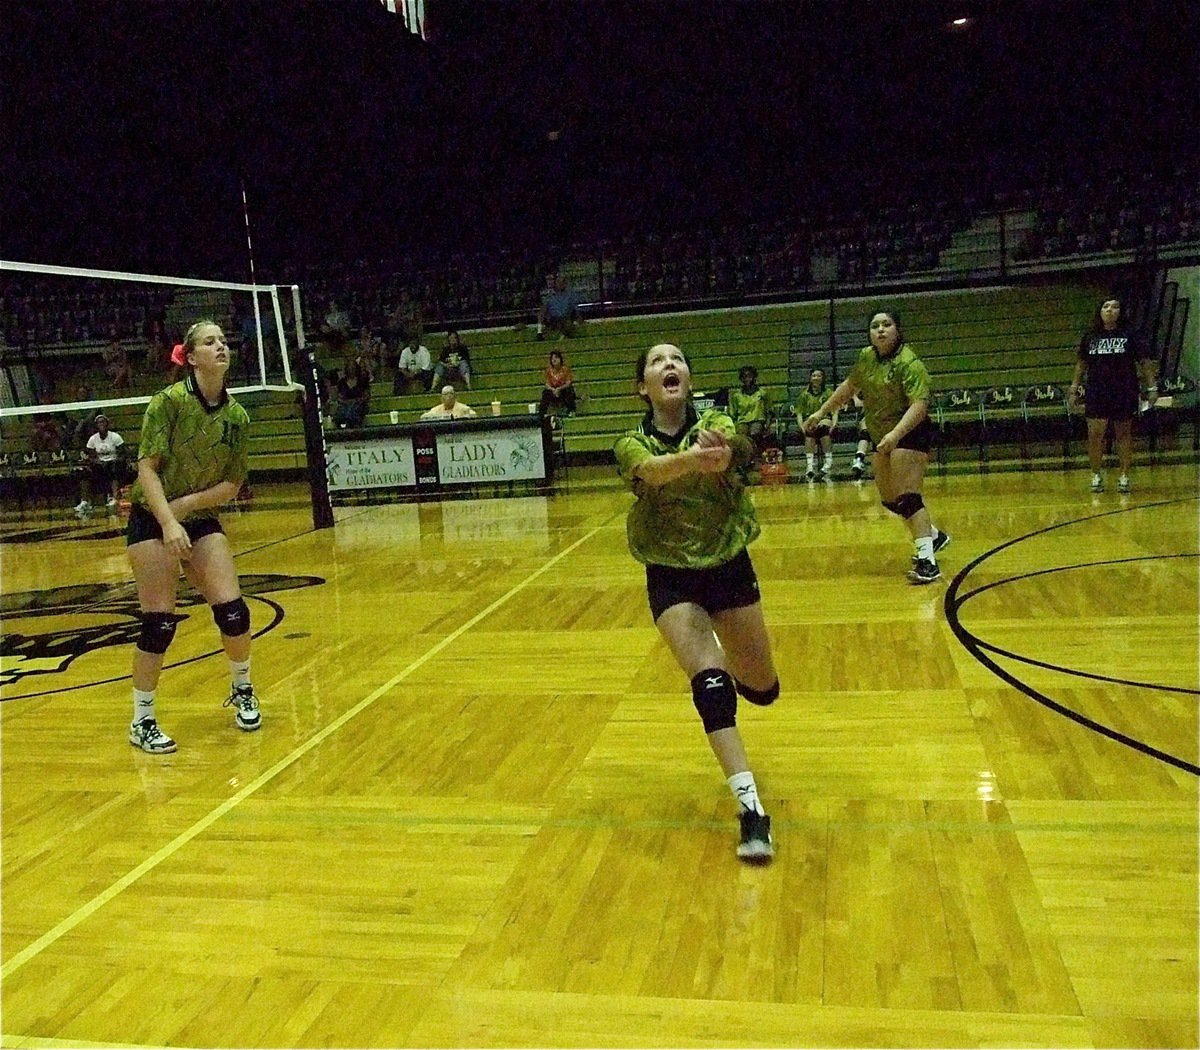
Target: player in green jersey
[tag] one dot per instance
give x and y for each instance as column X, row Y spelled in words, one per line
column 191, row 460
column 894, row 387
column 811, row 398
column 690, row 527
column 750, row 408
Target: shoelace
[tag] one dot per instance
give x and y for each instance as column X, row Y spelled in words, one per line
column 150, row 731
column 242, row 698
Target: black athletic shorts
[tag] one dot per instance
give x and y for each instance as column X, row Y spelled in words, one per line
column 144, row 526
column 920, row 438
column 1118, row 405
column 730, row 586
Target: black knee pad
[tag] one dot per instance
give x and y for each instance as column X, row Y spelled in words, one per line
column 908, row 503
column 891, row 504
column 762, row 697
column 233, row 618
column 715, row 698
column 158, row 630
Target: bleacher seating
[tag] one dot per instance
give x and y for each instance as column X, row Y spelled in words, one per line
column 508, row 367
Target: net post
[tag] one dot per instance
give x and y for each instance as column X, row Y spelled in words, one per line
column 281, row 336
column 314, row 433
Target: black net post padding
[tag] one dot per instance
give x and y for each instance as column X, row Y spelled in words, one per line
column 312, row 410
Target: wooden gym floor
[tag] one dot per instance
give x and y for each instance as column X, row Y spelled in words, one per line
column 481, row 810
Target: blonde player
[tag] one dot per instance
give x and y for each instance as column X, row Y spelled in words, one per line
column 192, row 459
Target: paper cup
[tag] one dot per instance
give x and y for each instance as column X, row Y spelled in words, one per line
column 532, row 408
column 495, row 408
column 394, row 416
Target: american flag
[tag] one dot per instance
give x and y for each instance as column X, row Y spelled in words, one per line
column 413, row 12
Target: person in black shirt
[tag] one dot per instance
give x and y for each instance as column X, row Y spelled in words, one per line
column 1110, row 357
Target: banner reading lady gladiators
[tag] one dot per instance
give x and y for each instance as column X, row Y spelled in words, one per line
column 498, row 455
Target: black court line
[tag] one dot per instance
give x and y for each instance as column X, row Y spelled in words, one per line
column 1072, row 670
column 976, row 646
column 276, row 618
column 119, row 588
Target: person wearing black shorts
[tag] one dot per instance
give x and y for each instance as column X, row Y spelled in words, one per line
column 893, row 384
column 690, row 527
column 1110, row 357
column 191, row 460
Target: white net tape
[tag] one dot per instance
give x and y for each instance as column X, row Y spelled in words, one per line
column 74, row 338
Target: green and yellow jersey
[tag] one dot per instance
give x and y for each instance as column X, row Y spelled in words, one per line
column 198, row 445
column 696, row 521
column 888, row 386
column 754, row 407
column 808, row 402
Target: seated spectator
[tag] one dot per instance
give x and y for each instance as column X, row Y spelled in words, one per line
column 403, row 321
column 750, row 408
column 371, row 349
column 558, row 395
column 104, row 468
column 158, row 348
column 449, row 407
column 415, row 367
column 811, row 398
column 116, row 363
column 454, row 362
column 335, row 328
column 560, row 310
column 354, row 395
column 79, row 424
column 46, row 436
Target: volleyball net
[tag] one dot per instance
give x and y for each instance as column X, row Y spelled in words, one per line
column 75, row 342
column 72, row 337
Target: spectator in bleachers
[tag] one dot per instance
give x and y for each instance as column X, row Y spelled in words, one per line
column 335, row 328
column 354, row 395
column 370, row 349
column 560, row 309
column 454, row 362
column 158, row 349
column 47, row 434
column 449, row 407
column 894, row 385
column 1106, row 378
column 414, row 369
column 116, row 364
column 750, row 409
column 558, row 393
column 79, row 423
column 404, row 324
column 811, row 398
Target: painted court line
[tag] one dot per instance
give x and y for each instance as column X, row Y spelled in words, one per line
column 154, row 860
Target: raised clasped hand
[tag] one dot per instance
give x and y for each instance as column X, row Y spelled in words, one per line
column 714, row 459
column 711, row 439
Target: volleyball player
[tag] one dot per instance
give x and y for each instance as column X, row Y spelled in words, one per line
column 811, row 398
column 894, row 387
column 1110, row 357
column 690, row 527
column 192, row 459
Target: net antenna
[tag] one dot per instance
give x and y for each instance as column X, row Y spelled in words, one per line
column 413, row 12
